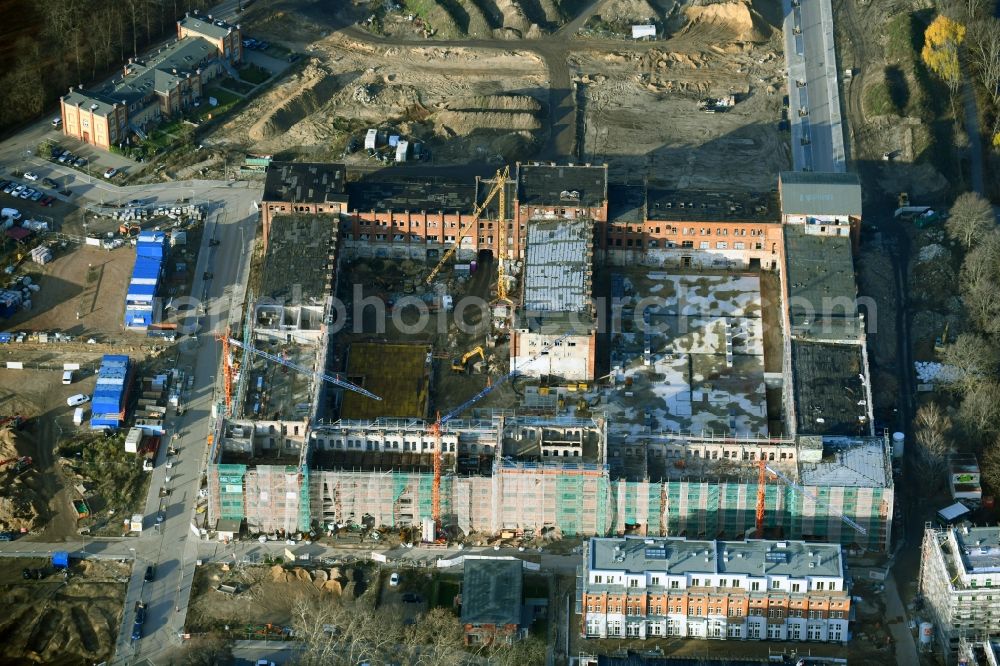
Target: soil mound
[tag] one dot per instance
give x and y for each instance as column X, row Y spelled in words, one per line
column 628, row 11
column 463, row 123
column 738, row 17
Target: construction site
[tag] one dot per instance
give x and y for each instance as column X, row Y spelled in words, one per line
column 685, row 415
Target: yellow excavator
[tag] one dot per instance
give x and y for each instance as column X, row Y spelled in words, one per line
column 459, row 364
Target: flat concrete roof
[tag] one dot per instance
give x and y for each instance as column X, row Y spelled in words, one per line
column 416, row 195
column 822, row 291
column 626, row 203
column 711, row 206
column 679, row 556
column 828, row 388
column 305, row 182
column 562, row 185
column 297, row 266
column 558, row 267
column 812, row 193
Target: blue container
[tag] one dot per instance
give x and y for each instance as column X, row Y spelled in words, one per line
column 60, row 559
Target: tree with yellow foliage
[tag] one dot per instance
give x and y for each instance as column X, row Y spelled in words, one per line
column 940, row 53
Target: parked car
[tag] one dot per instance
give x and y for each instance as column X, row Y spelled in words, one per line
column 47, row 201
column 65, row 157
column 150, row 574
column 263, row 46
column 111, row 172
column 36, row 196
column 77, row 400
column 394, row 580
column 30, row 175
column 48, row 182
column 4, row 183
column 26, row 192
column 80, row 162
column 18, row 189
column 57, row 123
column 9, row 187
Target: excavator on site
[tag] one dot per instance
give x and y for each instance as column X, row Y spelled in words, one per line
column 460, row 364
column 21, row 464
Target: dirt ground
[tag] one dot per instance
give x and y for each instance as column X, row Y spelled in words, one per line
column 627, row 96
column 349, row 86
column 81, row 280
column 490, row 102
column 266, row 594
column 385, row 279
column 51, row 621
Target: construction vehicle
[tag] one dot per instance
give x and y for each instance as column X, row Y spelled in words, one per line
column 16, row 422
column 436, row 429
column 941, row 341
column 129, row 229
column 763, row 468
column 229, row 374
column 498, row 187
column 21, row 464
column 459, row 364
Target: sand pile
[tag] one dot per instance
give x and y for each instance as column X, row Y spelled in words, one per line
column 513, row 16
column 463, row 123
column 291, row 102
column 20, row 506
column 628, row 11
column 495, row 103
column 738, row 17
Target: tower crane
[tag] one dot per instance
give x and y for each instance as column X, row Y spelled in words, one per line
column 436, row 427
column 500, row 181
column 502, row 238
column 764, row 468
column 319, row 376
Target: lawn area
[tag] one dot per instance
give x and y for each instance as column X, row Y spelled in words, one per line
column 226, row 100
column 240, row 87
column 878, row 101
column 254, row 74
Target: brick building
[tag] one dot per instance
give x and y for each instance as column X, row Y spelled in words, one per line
column 302, row 188
column 161, row 84
column 491, row 601
column 638, row 587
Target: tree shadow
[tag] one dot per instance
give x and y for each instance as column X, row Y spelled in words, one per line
column 899, row 88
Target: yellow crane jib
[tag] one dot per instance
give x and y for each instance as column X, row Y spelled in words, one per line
column 498, row 185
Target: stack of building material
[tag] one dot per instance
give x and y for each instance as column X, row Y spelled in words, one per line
column 10, row 302
column 41, row 255
column 114, row 382
column 150, row 251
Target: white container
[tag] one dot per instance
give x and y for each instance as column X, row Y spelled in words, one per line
column 898, row 441
column 78, row 416
column 926, row 634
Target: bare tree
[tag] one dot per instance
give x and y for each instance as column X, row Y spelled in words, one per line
column 984, row 47
column 970, row 219
column 979, row 278
column 932, row 428
column 207, row 651
column 989, row 465
column 979, row 413
column 976, row 359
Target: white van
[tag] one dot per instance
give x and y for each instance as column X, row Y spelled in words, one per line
column 68, row 377
column 77, row 400
column 78, row 416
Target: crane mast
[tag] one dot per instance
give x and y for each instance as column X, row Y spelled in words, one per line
column 498, row 185
column 320, row 376
column 435, row 428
